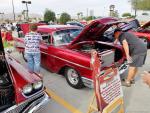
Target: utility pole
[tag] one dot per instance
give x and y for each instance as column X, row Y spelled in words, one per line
column 13, row 9
column 135, row 8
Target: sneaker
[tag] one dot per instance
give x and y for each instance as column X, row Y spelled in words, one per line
column 126, row 83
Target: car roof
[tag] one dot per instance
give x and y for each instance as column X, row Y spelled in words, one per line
column 57, row 27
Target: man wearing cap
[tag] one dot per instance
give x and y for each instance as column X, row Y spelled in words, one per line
column 135, row 51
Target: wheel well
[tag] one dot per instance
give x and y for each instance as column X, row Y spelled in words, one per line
column 62, row 70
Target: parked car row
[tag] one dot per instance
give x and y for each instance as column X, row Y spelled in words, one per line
column 67, row 49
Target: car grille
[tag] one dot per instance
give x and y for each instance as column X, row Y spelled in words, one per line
column 23, row 107
column 6, row 97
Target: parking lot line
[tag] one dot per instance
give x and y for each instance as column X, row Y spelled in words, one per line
column 62, row 102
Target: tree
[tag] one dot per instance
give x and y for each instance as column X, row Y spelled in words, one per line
column 140, row 4
column 126, row 15
column 90, row 18
column 80, row 15
column 49, row 16
column 64, row 18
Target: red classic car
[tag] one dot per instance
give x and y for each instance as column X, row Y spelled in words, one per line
column 20, row 91
column 67, row 49
column 23, row 28
column 142, row 32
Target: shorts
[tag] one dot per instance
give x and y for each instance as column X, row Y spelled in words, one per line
column 138, row 60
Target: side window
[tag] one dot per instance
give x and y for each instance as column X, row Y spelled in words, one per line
column 46, row 38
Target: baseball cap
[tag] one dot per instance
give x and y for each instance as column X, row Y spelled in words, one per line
column 117, row 29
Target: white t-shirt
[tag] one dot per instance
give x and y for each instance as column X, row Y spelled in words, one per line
column 32, row 42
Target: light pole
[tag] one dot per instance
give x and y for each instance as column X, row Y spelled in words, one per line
column 23, row 13
column 13, row 9
column 135, row 8
column 27, row 2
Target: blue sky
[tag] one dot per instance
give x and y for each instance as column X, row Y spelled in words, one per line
column 100, row 7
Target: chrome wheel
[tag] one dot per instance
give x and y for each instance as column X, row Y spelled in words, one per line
column 73, row 76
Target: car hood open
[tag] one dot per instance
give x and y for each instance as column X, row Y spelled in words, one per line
column 146, row 25
column 95, row 28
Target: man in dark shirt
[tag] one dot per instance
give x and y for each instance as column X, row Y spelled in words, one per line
column 135, row 51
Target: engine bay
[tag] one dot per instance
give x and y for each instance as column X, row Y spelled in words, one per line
column 108, row 54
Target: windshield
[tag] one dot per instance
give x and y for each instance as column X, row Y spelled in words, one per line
column 65, row 36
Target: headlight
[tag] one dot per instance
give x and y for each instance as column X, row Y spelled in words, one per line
column 27, row 89
column 38, row 85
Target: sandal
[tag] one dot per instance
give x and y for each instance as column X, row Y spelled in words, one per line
column 132, row 81
column 126, row 83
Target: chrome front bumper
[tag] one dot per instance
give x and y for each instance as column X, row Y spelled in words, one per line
column 35, row 107
column 29, row 106
column 89, row 83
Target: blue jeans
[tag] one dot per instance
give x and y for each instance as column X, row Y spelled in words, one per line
column 34, row 61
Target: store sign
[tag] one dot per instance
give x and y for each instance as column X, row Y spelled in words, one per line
column 107, row 85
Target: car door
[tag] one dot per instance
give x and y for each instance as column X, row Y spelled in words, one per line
column 47, row 61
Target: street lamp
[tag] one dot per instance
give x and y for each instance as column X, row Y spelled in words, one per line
column 13, row 9
column 27, row 2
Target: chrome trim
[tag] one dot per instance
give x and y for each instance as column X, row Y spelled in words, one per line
column 26, row 101
column 9, row 109
column 40, row 105
column 68, row 61
column 87, row 82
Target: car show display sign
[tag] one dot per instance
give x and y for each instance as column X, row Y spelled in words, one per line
column 107, row 86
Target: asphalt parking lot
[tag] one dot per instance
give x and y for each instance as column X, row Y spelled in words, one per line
column 65, row 99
